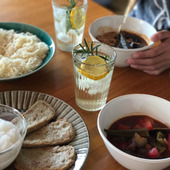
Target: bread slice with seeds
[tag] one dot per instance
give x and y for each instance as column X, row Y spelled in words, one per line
column 46, row 158
column 58, row 132
column 39, row 114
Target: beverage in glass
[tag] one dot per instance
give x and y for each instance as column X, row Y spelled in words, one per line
column 69, row 21
column 92, row 74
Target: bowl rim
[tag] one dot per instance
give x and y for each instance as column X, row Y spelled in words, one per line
column 52, row 48
column 118, row 150
column 122, row 16
column 20, row 140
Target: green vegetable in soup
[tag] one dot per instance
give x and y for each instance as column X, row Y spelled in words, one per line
column 128, row 133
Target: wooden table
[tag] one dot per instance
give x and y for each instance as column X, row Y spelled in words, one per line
column 56, row 78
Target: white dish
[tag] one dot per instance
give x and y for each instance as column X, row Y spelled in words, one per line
column 132, row 24
column 22, row 100
column 122, row 106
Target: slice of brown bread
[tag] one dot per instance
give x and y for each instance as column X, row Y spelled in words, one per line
column 39, row 114
column 45, row 158
column 54, row 133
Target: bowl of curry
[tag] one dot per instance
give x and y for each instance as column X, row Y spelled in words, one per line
column 125, row 34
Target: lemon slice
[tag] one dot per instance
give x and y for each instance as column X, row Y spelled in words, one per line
column 77, row 18
column 94, row 68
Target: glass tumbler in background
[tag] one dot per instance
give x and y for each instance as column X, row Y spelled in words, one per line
column 69, row 21
column 93, row 74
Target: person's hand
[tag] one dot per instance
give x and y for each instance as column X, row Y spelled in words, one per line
column 155, row 60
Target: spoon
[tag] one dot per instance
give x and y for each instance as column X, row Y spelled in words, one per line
column 127, row 11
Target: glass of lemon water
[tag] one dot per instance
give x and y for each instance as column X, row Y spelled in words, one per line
column 69, row 21
column 93, row 64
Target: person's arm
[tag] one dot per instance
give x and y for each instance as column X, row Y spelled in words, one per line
column 155, row 60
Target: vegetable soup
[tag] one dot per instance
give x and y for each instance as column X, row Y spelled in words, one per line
column 140, row 136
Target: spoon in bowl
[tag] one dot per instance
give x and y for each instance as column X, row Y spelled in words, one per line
column 127, row 11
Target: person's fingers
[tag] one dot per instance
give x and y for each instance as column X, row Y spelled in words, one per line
column 146, row 62
column 160, row 49
column 155, row 60
column 149, row 61
column 157, row 72
column 155, row 69
column 160, row 36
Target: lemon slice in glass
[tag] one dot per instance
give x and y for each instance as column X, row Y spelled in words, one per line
column 77, row 18
column 94, row 67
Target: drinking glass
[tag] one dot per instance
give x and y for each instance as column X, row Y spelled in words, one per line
column 69, row 21
column 92, row 80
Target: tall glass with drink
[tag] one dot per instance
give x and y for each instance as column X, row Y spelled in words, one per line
column 93, row 68
column 69, row 21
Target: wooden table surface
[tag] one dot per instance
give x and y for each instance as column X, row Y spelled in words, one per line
column 56, row 78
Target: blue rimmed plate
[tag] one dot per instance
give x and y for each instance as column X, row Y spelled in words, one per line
column 41, row 34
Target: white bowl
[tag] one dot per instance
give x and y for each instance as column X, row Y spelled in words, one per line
column 119, row 107
column 10, row 114
column 112, row 23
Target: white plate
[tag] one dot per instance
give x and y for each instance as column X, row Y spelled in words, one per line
column 22, row 100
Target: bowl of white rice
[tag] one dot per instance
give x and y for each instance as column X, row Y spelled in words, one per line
column 24, row 49
column 13, row 129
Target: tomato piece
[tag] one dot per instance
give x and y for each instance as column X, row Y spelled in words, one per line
column 123, row 127
column 153, row 153
column 145, row 124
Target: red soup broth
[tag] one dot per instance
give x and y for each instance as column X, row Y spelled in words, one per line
column 152, row 149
